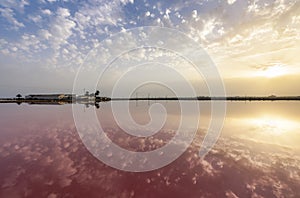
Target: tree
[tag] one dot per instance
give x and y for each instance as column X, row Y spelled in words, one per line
column 97, row 93
column 19, row 96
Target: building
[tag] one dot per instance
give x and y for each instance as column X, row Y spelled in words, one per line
column 50, row 97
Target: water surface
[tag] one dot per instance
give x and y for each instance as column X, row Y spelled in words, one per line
column 257, row 154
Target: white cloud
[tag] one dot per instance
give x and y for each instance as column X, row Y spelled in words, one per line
column 8, row 14
column 194, row 14
column 100, row 14
column 227, row 28
column 17, row 5
column 35, row 19
column 61, row 28
column 46, row 12
column 167, row 14
column 64, row 12
column 44, row 34
column 231, row 1
column 127, row 1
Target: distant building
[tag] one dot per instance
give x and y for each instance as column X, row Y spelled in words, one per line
column 86, row 97
column 51, row 96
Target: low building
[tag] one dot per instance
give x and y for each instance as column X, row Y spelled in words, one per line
column 85, row 97
column 50, row 97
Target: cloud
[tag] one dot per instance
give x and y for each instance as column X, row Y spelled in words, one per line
column 46, row 12
column 238, row 35
column 8, row 14
column 51, row 159
column 44, row 34
column 17, row 5
column 61, row 28
column 96, row 15
column 231, row 1
column 211, row 23
column 35, row 19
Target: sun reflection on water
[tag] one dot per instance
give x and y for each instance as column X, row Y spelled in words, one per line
column 274, row 125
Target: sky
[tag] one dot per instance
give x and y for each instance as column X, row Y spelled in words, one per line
column 254, row 44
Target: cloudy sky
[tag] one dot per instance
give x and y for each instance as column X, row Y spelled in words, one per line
column 254, row 44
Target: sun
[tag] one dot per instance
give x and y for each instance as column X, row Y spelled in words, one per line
column 274, row 71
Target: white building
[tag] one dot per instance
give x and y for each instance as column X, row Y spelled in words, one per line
column 50, row 96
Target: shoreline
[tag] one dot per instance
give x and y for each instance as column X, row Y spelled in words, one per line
column 105, row 99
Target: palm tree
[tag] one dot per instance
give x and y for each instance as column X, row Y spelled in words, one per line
column 19, row 96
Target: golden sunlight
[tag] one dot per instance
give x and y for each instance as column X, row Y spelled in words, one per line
column 274, row 71
column 275, row 125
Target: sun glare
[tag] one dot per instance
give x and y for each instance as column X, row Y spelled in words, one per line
column 275, row 126
column 274, row 71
